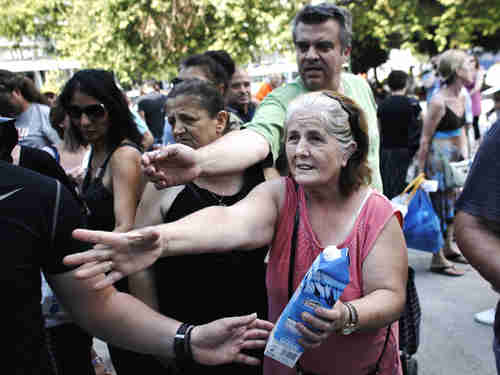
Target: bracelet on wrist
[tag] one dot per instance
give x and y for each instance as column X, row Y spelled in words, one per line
column 182, row 345
column 352, row 324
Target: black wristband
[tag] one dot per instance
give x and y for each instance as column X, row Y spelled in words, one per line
column 187, row 344
column 182, row 348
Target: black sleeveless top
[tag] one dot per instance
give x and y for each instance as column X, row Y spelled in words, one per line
column 98, row 198
column 450, row 121
column 205, row 287
column 100, row 202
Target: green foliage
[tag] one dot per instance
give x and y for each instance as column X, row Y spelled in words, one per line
column 142, row 39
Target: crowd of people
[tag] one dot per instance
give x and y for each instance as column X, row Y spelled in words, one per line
column 177, row 231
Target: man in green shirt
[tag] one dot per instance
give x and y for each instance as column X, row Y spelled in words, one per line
column 322, row 35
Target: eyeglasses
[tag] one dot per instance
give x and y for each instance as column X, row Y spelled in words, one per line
column 93, row 111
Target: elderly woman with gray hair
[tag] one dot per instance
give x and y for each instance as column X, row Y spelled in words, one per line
column 327, row 145
column 440, row 143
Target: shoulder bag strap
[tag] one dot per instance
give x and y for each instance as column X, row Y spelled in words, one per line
column 377, row 365
column 293, row 244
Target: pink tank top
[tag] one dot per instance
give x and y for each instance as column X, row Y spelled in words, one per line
column 353, row 354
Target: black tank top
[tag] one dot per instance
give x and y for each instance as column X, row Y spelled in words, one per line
column 450, row 121
column 98, row 198
column 205, row 287
column 100, row 202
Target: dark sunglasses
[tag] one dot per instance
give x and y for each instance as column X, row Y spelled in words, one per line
column 176, row 81
column 93, row 111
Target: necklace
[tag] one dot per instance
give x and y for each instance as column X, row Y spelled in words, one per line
column 218, row 198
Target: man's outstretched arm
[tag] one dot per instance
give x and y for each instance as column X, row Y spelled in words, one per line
column 178, row 164
column 123, row 320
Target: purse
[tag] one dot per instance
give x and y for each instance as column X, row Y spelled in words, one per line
column 459, row 171
column 409, row 323
column 455, row 172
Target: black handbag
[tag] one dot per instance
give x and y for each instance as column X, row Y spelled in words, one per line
column 409, row 323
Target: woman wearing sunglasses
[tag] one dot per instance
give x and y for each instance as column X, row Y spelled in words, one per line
column 112, row 186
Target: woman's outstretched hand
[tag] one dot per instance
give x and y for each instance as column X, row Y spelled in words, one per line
column 117, row 255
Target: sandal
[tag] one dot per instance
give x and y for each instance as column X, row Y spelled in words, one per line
column 457, row 258
column 447, row 270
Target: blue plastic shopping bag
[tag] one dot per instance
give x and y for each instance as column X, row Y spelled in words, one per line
column 422, row 228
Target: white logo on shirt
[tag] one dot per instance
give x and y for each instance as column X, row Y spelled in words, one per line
column 6, row 195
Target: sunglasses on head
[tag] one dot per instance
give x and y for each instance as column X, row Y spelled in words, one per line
column 93, row 111
column 351, row 113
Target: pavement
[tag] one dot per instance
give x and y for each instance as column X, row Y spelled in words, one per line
column 451, row 342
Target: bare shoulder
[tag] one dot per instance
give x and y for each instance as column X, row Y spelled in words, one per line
column 155, row 204
column 273, row 190
column 124, row 157
column 437, row 102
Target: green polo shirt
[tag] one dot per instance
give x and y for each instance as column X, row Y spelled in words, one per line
column 269, row 118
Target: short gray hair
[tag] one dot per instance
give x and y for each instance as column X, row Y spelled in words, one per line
column 316, row 14
column 330, row 113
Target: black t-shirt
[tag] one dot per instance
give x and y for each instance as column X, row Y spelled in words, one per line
column 399, row 124
column 481, row 194
column 153, row 106
column 41, row 162
column 27, row 202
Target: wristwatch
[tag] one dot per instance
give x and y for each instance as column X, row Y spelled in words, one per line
column 351, row 324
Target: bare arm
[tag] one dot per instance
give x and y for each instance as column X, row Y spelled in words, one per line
column 479, row 242
column 248, row 224
column 123, row 320
column 434, row 114
column 177, row 164
column 127, row 186
column 385, row 273
column 147, row 140
column 479, row 81
column 234, row 152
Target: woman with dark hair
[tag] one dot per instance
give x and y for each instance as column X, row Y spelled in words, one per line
column 71, row 154
column 330, row 203
column 112, row 186
column 196, row 113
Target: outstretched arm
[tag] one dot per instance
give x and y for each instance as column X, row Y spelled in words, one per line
column 125, row 321
column 177, row 164
column 248, row 224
